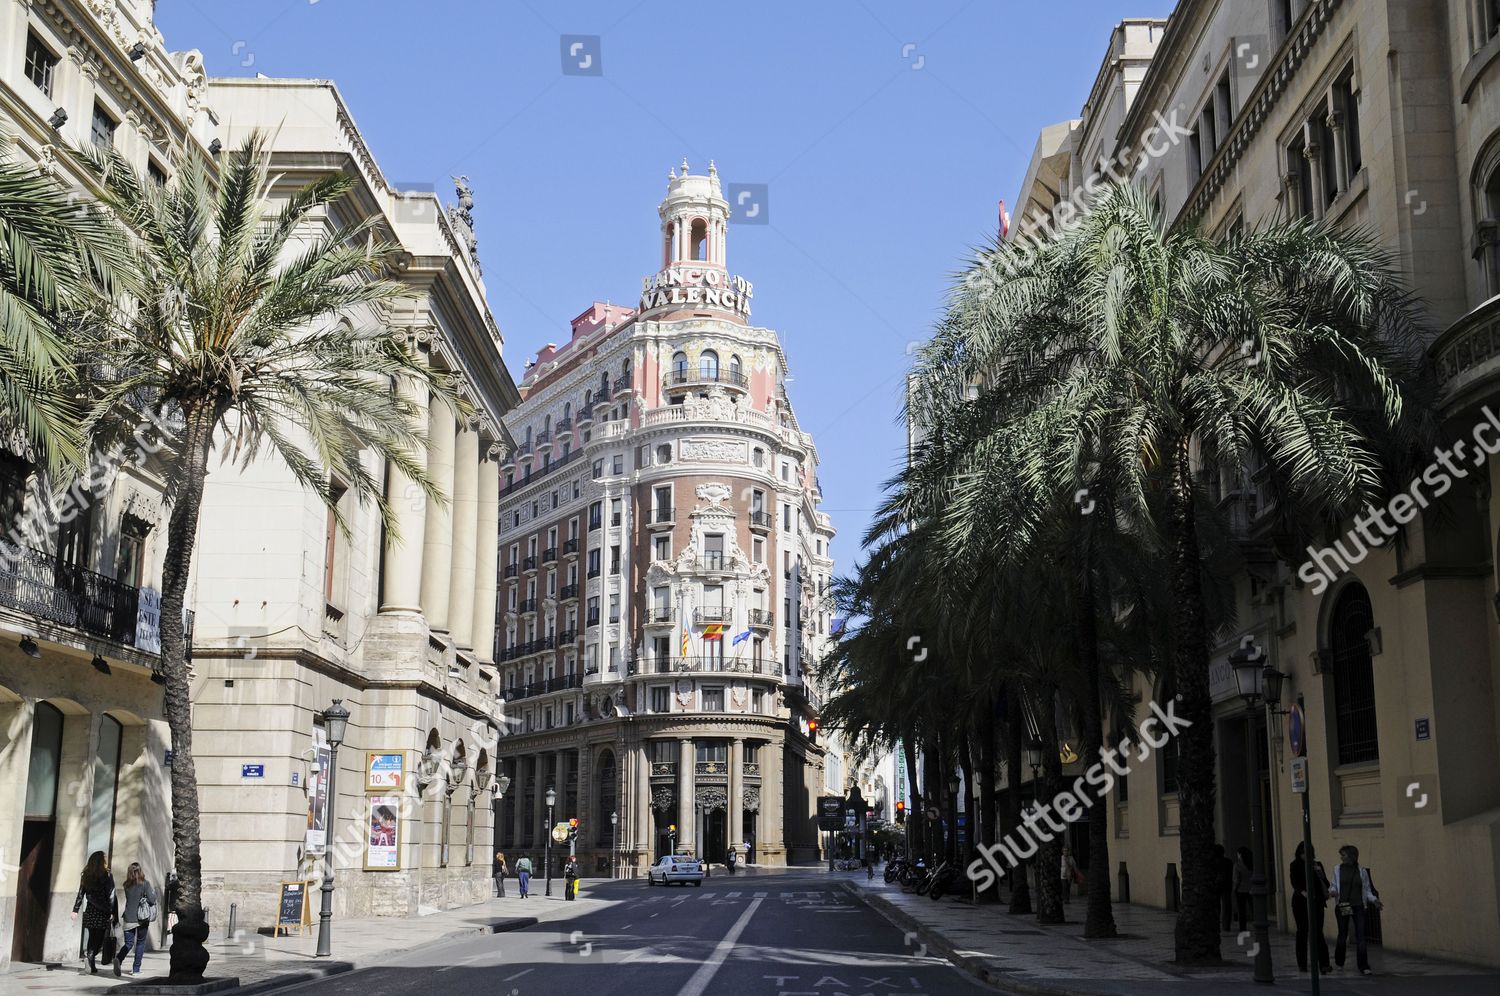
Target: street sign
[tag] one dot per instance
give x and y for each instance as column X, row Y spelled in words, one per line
column 830, row 812
column 1424, row 728
column 1299, row 775
column 1296, row 730
column 252, row 771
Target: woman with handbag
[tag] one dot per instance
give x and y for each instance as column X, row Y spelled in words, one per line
column 1354, row 892
column 96, row 897
column 501, row 870
column 140, row 911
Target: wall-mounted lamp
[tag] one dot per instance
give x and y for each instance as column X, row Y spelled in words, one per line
column 58, row 119
column 137, row 52
column 100, row 664
column 30, row 649
column 215, row 147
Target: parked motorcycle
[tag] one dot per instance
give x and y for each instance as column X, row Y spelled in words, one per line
column 944, row 880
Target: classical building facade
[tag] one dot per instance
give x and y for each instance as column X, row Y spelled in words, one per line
column 1382, row 114
column 295, row 612
column 83, row 739
column 664, row 572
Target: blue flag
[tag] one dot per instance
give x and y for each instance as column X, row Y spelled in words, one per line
column 741, row 638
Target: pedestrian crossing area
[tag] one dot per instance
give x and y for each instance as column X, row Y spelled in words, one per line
column 811, row 900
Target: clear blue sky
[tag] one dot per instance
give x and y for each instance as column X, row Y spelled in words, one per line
column 881, row 175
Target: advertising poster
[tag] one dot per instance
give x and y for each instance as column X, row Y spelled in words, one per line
column 383, row 847
column 383, row 771
column 317, row 794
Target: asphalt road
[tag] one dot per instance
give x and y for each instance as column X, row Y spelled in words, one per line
column 763, row 935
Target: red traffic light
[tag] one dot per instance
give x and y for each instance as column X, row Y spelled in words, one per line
column 573, row 822
column 900, row 806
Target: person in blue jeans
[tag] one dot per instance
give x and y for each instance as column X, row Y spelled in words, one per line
column 523, row 876
column 140, row 910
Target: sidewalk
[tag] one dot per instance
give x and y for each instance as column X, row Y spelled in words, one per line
column 261, row 962
column 1018, row 955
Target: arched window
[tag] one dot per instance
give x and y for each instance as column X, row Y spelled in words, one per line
column 679, row 367
column 528, row 435
column 604, row 383
column 547, row 425
column 708, row 365
column 567, row 410
column 1353, row 676
column 608, row 798
column 667, row 243
column 588, row 397
column 736, row 371
column 700, row 239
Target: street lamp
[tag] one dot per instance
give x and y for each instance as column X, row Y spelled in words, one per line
column 614, row 848
column 498, row 787
column 551, row 801
column 1256, row 679
column 336, row 725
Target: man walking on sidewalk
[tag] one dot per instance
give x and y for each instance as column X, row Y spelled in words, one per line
column 523, row 876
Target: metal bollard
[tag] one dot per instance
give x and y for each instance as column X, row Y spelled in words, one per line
column 1124, row 884
column 1174, row 888
column 229, row 930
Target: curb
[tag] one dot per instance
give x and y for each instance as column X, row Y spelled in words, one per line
column 332, row 968
column 972, row 964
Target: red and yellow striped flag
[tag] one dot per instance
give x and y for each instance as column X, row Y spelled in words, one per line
column 713, row 631
column 684, row 641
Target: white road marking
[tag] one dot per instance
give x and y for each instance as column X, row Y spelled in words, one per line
column 698, row 984
column 760, row 895
column 627, row 926
column 511, row 978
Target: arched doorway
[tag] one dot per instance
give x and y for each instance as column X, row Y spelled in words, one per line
column 1353, row 675
column 38, row 834
column 713, row 824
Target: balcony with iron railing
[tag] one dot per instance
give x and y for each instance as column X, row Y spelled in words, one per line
column 681, row 377
column 592, row 618
column 711, row 769
column 663, row 769
column 61, row 592
column 528, row 564
column 536, row 473
column 570, row 547
column 592, row 573
column 549, row 555
column 761, row 521
column 568, row 593
column 762, row 618
column 660, row 616
column 543, row 442
column 699, row 664
column 563, row 425
column 711, row 614
column 712, row 563
column 664, row 516
column 750, row 769
column 622, row 385
column 512, row 570
column 528, row 605
column 567, row 636
column 543, row 686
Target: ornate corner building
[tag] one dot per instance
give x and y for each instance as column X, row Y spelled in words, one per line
column 663, row 574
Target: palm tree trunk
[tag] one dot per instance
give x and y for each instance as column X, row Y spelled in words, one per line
column 1100, row 919
column 189, row 959
column 1049, row 854
column 966, row 796
column 989, row 830
column 1020, row 890
column 1197, row 929
column 914, row 790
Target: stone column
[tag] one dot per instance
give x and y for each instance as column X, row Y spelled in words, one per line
column 771, row 793
column 539, row 794
column 402, row 577
column 642, row 816
column 736, row 792
column 563, row 766
column 517, row 820
column 487, row 559
column 465, row 510
column 685, row 808
column 437, row 550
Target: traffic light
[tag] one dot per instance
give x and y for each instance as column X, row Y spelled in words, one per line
column 812, row 729
column 900, row 811
column 573, row 828
column 672, row 829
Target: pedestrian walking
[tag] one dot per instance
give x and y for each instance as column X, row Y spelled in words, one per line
column 729, row 860
column 96, row 897
column 570, row 875
column 500, row 872
column 1354, row 893
column 523, row 876
column 1242, row 866
column 1070, row 873
column 1224, row 881
column 141, row 906
column 1309, row 930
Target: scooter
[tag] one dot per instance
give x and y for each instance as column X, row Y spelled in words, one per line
column 943, row 880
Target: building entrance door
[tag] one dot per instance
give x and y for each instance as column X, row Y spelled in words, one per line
column 714, row 833
column 38, row 836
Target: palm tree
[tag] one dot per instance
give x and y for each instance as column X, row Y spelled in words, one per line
column 246, row 347
column 1163, row 353
column 61, row 261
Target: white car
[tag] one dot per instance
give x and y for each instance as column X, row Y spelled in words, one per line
column 675, row 868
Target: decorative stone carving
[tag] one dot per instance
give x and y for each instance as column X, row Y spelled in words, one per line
column 684, row 690
column 663, row 798
column 715, row 494
column 750, row 798
column 711, row 798
column 714, row 451
column 737, row 694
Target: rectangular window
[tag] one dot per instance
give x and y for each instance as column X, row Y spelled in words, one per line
column 593, row 563
column 598, row 469
column 334, row 552
column 596, row 515
column 661, row 699
column 713, row 699
column 661, row 548
column 156, row 173
column 40, row 63
column 614, row 559
column 757, row 705
column 614, row 609
column 1346, row 103
column 616, row 511
column 786, row 517
column 758, row 550
column 102, row 130
column 130, row 562
column 713, row 550
column 617, row 464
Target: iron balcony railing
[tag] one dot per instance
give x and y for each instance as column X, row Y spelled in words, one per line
column 660, row 615
column 663, row 514
column 570, row 547
column 567, row 636
column 529, row 563
column 528, row 605
column 511, row 570
column 711, row 614
column 558, row 684
column 549, row 555
column 762, row 618
column 760, row 520
column 663, row 769
column 62, row 592
column 710, row 375
column 568, row 593
column 698, row 663
column 536, row 473
column 711, row 768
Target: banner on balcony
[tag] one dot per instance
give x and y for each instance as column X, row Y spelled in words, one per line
column 148, row 621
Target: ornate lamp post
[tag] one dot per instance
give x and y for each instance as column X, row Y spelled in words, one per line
column 551, row 801
column 1256, row 679
column 336, row 723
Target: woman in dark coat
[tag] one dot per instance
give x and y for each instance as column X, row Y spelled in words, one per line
column 96, row 897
